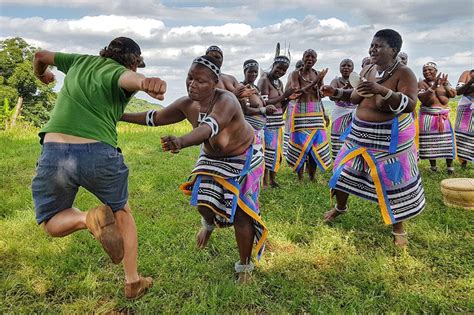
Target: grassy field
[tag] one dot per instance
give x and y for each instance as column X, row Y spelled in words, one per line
column 308, row 267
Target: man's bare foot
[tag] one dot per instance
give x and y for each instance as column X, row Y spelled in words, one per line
column 202, row 238
column 332, row 214
column 400, row 239
column 137, row 289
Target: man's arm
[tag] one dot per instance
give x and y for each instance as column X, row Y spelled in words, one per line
column 171, row 114
column 131, row 81
column 41, row 61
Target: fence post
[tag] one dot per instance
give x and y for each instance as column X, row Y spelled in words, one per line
column 18, row 107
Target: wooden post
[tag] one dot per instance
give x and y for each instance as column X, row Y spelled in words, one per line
column 18, row 107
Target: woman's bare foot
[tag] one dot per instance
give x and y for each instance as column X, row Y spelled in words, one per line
column 202, row 238
column 244, row 272
column 244, row 278
column 332, row 214
column 400, row 239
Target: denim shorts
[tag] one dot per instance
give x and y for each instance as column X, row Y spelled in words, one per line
column 62, row 168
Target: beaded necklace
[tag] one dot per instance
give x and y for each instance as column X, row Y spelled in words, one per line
column 203, row 115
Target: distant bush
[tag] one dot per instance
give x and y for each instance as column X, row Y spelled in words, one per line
column 139, row 105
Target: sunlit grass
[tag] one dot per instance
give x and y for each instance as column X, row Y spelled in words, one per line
column 349, row 266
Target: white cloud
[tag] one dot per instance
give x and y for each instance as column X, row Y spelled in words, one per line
column 230, row 29
column 145, row 28
column 334, row 24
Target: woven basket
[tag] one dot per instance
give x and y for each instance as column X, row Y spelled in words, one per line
column 458, row 192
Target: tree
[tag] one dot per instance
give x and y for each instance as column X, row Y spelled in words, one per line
column 17, row 80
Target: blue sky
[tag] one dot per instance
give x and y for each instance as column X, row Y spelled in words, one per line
column 172, row 33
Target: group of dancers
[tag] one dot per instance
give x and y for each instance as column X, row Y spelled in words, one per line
column 244, row 131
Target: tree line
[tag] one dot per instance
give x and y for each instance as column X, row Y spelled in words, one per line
column 21, row 93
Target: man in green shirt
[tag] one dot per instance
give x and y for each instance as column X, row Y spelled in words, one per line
column 80, row 149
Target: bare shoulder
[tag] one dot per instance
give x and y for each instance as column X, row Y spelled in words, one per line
column 405, row 72
column 294, row 74
column 226, row 97
column 464, row 77
column 422, row 83
column 263, row 79
column 182, row 104
column 182, row 101
column 263, row 82
column 367, row 69
column 229, row 78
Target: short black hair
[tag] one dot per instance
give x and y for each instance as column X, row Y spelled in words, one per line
column 393, row 38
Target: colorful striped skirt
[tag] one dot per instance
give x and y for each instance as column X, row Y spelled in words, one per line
column 286, row 134
column 341, row 122
column 378, row 162
column 436, row 136
column 223, row 184
column 273, row 141
column 464, row 129
column 308, row 137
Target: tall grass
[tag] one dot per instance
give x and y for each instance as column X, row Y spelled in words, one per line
column 308, row 267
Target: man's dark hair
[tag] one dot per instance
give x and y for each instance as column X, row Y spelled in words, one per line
column 125, row 51
column 393, row 38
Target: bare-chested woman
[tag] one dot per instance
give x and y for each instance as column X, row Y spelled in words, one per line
column 253, row 106
column 340, row 92
column 435, row 131
column 226, row 176
column 464, row 125
column 271, row 88
column 226, row 81
column 308, row 139
column 378, row 160
column 289, row 110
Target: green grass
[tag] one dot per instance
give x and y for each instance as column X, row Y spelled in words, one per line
column 308, row 267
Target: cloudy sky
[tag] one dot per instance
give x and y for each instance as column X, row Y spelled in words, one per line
column 172, row 33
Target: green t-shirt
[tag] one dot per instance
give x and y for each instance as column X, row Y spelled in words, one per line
column 90, row 102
